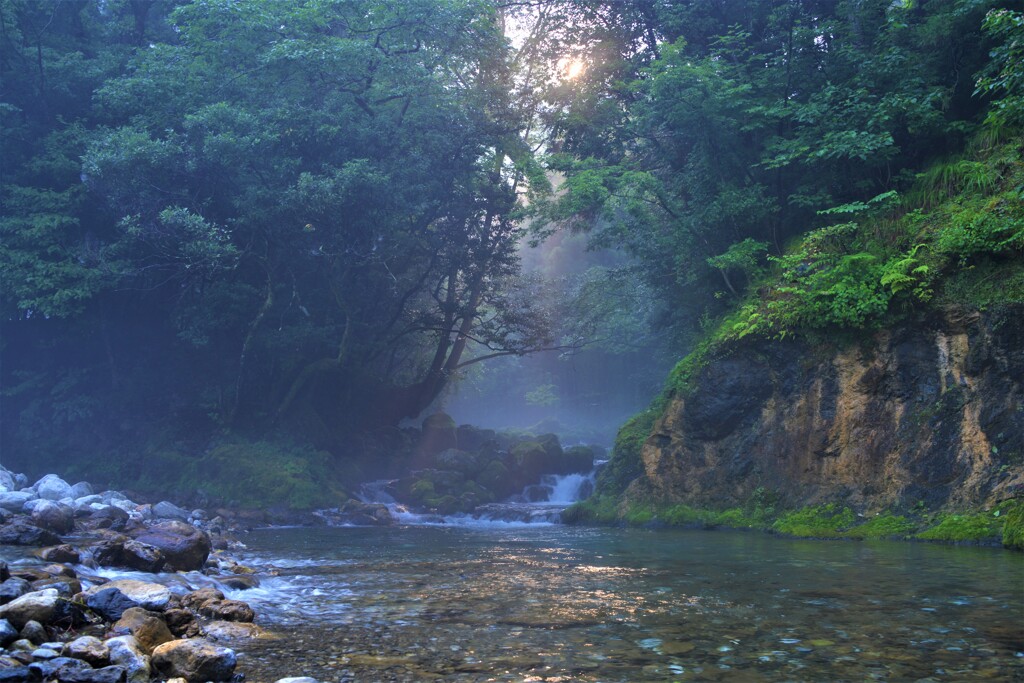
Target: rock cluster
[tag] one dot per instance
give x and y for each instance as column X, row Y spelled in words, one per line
column 60, row 622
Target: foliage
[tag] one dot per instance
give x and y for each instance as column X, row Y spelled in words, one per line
column 625, row 464
column 884, row 525
column 1013, row 526
column 974, row 527
column 822, row 521
column 1003, row 76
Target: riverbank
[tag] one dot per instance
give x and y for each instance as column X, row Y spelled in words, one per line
column 97, row 588
column 1001, row 525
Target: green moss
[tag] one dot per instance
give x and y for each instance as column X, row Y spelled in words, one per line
column 1013, row 525
column 422, row 490
column 598, row 509
column 822, row 521
column 884, row 525
column 625, row 464
column 959, row 528
column 638, row 515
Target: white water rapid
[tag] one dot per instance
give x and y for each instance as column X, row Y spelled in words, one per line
column 538, row 504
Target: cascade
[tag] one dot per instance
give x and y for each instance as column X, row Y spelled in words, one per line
column 540, row 503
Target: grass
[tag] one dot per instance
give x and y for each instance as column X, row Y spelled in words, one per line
column 1005, row 522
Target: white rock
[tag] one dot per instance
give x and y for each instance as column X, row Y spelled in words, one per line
column 297, row 679
column 168, row 510
column 14, row 501
column 52, row 487
column 125, row 651
column 35, row 606
column 82, row 488
column 7, row 482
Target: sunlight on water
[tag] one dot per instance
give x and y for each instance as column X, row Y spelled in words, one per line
column 557, row 603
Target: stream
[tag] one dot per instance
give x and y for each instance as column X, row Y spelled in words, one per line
column 495, row 600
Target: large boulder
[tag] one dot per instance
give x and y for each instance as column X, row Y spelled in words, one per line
column 437, row 435
column 147, row 627
column 81, row 490
column 21, row 532
column 56, row 517
column 7, row 482
column 457, row 461
column 45, row 606
column 227, row 610
column 61, row 553
column 108, row 674
column 185, row 547
column 14, row 587
column 52, row 487
column 14, row 501
column 125, row 652
column 110, row 600
column 168, row 510
column 194, row 660
column 8, row 634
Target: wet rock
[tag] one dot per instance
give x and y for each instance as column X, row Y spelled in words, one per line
column 66, row 587
column 81, row 490
column 438, row 434
column 111, row 599
column 19, row 674
column 12, row 588
column 297, row 679
column 7, row 482
column 185, row 547
column 125, row 652
column 181, row 622
column 43, row 606
column 8, row 634
column 52, row 487
column 142, row 556
column 5, row 571
column 89, row 649
column 239, row 582
column 167, row 510
column 108, row 674
column 56, row 517
column 44, row 653
column 148, row 629
column 34, row 632
column 196, row 599
column 233, row 630
column 227, row 610
column 61, row 553
column 14, row 501
column 104, row 516
column 194, row 660
column 21, row 532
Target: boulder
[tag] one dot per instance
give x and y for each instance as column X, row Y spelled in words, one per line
column 168, row 510
column 21, row 532
column 227, row 610
column 81, row 490
column 44, row 606
column 181, row 622
column 44, row 653
column 110, row 600
column 438, row 434
column 197, row 598
column 19, row 674
column 108, row 674
column 125, row 652
column 58, row 668
column 147, row 627
column 195, row 660
column 52, row 487
column 233, row 630
column 12, row 588
column 185, row 547
column 458, row 461
column 61, row 553
column 7, row 482
column 142, row 556
column 14, row 501
column 8, row 634
column 56, row 517
column 104, row 516
column 34, row 632
column 89, row 649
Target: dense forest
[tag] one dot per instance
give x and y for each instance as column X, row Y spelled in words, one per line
column 271, row 231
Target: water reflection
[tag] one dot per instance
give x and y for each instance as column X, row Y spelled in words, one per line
column 628, row 605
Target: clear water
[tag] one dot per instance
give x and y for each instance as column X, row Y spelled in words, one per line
column 555, row 603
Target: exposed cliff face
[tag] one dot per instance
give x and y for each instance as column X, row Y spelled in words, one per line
column 929, row 412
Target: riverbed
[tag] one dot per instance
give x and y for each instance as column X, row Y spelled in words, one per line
column 507, row 602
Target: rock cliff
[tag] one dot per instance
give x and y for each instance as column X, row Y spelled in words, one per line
column 931, row 412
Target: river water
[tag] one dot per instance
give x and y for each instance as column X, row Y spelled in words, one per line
column 511, row 602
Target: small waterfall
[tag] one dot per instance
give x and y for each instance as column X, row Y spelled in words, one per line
column 540, row 503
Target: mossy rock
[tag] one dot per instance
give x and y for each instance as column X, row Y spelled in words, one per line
column 422, row 490
column 495, row 478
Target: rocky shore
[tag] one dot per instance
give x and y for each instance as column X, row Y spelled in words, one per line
column 62, row 616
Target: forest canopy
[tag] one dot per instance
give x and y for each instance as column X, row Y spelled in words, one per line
column 307, row 217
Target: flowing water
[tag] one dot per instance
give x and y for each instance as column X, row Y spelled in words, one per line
column 503, row 601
